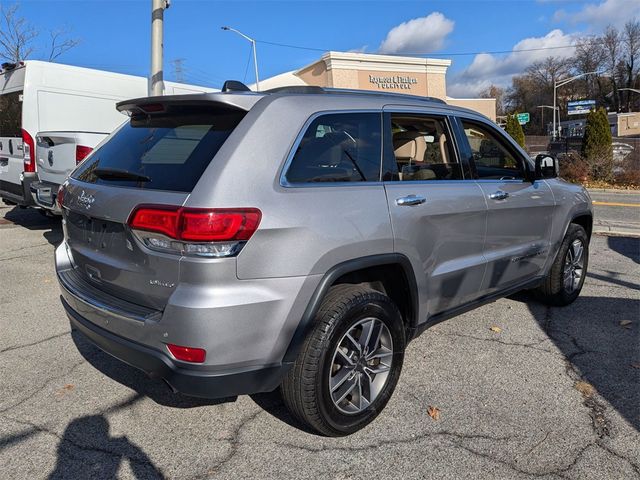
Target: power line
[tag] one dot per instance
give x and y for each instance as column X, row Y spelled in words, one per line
column 246, row 70
column 450, row 54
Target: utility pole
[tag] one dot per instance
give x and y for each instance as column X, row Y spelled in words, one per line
column 156, row 83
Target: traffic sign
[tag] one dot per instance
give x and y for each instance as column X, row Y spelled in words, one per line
column 523, row 118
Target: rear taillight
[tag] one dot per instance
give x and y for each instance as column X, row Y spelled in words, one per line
column 82, row 152
column 28, row 151
column 218, row 232
column 187, row 354
column 60, row 196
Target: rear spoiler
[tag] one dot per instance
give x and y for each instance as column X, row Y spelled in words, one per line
column 232, row 101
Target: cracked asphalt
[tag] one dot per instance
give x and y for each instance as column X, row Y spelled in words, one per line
column 553, row 394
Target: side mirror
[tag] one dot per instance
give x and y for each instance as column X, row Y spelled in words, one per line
column 546, row 166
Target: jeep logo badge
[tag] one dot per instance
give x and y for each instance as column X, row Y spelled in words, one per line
column 86, row 200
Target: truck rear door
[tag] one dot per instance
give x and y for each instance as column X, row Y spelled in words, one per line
column 57, row 154
column 11, row 144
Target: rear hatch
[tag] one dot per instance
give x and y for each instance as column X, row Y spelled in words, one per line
column 155, row 159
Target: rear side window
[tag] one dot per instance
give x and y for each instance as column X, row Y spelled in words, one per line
column 166, row 152
column 339, row 147
column 11, row 115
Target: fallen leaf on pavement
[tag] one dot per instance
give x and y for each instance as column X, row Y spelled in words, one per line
column 626, row 323
column 585, row 388
column 67, row 388
column 495, row 329
column 434, row 412
column 636, row 365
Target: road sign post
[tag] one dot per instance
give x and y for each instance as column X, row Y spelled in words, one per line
column 523, row 118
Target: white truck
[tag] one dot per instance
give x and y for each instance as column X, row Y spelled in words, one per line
column 51, row 117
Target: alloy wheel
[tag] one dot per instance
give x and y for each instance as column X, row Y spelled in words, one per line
column 573, row 266
column 360, row 366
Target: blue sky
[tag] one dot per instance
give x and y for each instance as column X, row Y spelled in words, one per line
column 115, row 34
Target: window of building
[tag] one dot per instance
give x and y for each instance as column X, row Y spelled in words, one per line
column 339, row 147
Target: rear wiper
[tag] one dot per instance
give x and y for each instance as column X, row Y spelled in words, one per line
column 117, row 174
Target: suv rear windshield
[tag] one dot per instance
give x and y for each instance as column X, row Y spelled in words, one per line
column 165, row 152
column 11, row 115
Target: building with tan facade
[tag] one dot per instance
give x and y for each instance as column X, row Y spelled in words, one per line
column 388, row 73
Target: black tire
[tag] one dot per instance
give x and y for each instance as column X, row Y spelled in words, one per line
column 305, row 389
column 553, row 291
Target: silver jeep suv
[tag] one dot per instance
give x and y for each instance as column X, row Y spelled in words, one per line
column 237, row 242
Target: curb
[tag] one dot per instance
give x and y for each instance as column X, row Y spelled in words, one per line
column 616, row 229
column 613, row 190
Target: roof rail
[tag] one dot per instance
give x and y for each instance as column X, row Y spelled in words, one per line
column 352, row 91
column 296, row 89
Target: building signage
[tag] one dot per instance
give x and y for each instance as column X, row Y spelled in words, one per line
column 393, row 82
column 580, row 107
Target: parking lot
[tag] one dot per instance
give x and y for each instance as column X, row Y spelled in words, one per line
column 522, row 391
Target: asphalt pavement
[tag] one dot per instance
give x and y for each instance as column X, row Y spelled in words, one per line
column 522, row 390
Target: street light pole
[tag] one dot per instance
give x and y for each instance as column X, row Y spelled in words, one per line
column 557, row 84
column 156, row 83
column 543, row 107
column 253, row 47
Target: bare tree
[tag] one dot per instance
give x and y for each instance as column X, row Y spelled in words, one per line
column 16, row 35
column 493, row 91
column 613, row 48
column 590, row 57
column 631, row 45
column 60, row 44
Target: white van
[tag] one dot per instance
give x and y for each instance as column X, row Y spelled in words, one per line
column 51, row 117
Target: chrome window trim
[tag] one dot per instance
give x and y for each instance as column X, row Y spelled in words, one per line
column 294, row 148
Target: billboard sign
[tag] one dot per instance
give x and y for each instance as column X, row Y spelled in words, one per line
column 580, row 107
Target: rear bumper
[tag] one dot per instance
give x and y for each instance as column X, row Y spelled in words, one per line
column 44, row 195
column 19, row 194
column 159, row 365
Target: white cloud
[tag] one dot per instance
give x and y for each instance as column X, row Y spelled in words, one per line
column 361, row 49
column 419, row 35
column 487, row 69
column 597, row 16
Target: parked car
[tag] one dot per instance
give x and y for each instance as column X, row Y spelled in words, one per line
column 51, row 117
column 235, row 242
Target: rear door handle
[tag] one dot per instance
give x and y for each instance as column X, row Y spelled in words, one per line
column 410, row 200
column 499, row 195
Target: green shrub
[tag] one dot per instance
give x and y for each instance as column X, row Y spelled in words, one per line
column 514, row 129
column 596, row 145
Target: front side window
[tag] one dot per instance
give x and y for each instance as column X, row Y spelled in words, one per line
column 423, row 149
column 339, row 147
column 492, row 159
